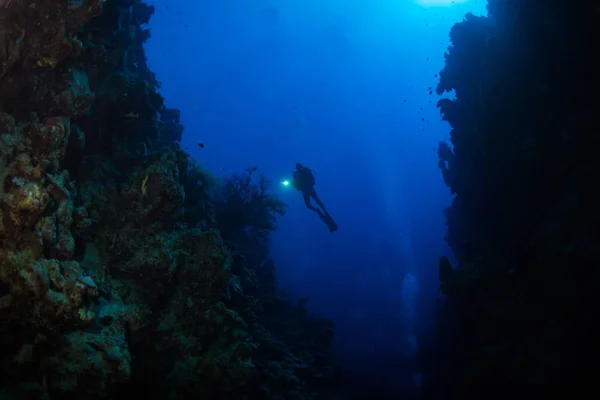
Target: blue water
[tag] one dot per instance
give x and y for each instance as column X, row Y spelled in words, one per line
column 342, row 86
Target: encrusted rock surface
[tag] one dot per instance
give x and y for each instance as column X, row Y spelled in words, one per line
column 520, row 307
column 125, row 268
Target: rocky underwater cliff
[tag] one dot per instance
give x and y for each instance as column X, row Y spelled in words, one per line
column 521, row 309
column 126, row 270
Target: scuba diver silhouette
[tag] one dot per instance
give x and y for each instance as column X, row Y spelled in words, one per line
column 304, row 181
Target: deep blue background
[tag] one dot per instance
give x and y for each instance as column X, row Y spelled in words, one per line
column 343, row 87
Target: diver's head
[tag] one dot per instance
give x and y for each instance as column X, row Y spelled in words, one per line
column 299, row 166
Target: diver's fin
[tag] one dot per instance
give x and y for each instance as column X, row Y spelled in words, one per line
column 332, row 225
column 330, row 222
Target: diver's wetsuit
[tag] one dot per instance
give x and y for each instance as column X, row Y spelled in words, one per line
column 304, row 181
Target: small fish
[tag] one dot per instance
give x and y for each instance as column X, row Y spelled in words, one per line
column 201, row 145
column 270, row 15
column 131, row 115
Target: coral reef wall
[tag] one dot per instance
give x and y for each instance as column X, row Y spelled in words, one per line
column 523, row 164
column 116, row 279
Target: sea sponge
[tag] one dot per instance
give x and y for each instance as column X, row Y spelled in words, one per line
column 26, row 203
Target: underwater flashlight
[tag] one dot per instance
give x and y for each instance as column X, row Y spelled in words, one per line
column 285, row 183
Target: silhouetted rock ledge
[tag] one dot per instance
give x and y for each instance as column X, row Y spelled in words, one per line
column 521, row 305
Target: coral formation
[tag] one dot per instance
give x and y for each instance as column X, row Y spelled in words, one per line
column 125, row 268
column 523, row 224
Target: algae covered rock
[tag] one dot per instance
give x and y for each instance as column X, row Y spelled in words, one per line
column 113, row 263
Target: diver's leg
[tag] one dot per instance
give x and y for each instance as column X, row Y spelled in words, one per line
column 314, row 195
column 306, row 196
